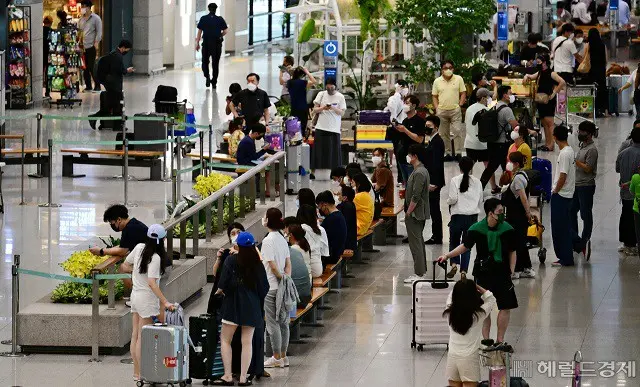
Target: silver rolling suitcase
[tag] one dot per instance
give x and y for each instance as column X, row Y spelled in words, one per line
column 165, row 355
column 298, row 168
column 150, row 130
column 624, row 99
column 429, row 301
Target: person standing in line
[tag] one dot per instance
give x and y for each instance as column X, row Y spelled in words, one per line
column 476, row 149
column 416, row 211
column 627, row 164
column 91, row 26
column 634, row 81
column 586, row 169
column 286, row 71
column 412, row 131
column 254, row 103
column 549, row 83
column 516, row 201
column 495, row 262
column 214, row 28
column 465, row 200
column 520, row 144
column 277, row 262
column 449, row 95
column 245, row 285
column 434, row 162
column 597, row 52
column 395, row 106
column 563, row 53
column 498, row 150
column 330, row 105
column 564, row 185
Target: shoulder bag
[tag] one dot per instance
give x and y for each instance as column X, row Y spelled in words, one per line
column 585, row 66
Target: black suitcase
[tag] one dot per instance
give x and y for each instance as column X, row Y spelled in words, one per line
column 205, row 360
column 130, row 137
column 166, row 99
column 150, row 130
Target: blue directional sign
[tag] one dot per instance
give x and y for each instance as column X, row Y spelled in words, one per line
column 613, row 4
column 503, row 20
column 330, row 48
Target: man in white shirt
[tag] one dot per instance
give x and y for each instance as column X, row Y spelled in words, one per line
column 624, row 13
column 580, row 14
column 395, row 106
column 564, row 185
column 563, row 53
column 330, row 106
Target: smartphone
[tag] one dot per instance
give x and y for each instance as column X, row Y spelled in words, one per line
column 328, row 105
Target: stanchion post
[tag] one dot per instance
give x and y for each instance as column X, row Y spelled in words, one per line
column 38, row 173
column 178, row 166
column 15, row 305
column 95, row 318
column 111, row 290
column 173, row 140
column 22, row 171
column 126, row 174
column 164, row 157
column 203, row 170
column 210, row 148
column 50, row 203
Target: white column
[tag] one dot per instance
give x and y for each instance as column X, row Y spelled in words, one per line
column 147, row 36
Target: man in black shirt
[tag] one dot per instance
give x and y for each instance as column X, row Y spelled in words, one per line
column 412, row 131
column 334, row 224
column 253, row 101
column 214, row 28
column 348, row 210
column 495, row 261
column 435, row 166
column 532, row 50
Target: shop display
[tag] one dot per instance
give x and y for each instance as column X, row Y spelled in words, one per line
column 18, row 57
column 65, row 61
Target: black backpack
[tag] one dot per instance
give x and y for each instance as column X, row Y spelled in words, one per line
column 488, row 127
column 102, row 69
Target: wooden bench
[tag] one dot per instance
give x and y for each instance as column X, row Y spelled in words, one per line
column 146, row 159
column 324, row 279
column 31, row 156
column 390, row 227
column 336, row 283
column 365, row 243
column 301, row 313
column 222, row 157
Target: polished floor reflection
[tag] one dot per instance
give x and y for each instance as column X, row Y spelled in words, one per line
column 591, row 307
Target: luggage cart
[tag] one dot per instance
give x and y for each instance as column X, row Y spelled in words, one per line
column 577, row 104
column 178, row 110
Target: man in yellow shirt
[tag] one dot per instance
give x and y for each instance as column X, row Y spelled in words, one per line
column 363, row 202
column 449, row 94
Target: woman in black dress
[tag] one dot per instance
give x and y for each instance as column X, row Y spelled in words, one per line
column 244, row 284
column 598, row 71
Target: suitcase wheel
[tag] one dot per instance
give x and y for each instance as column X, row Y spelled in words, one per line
column 205, row 382
column 139, row 383
column 413, row 345
column 542, row 255
column 420, row 348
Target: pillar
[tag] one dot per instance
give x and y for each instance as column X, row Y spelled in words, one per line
column 147, row 32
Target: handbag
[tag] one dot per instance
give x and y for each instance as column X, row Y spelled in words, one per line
column 542, row 98
column 585, row 66
column 314, row 120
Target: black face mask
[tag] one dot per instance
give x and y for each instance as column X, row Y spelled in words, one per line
column 582, row 137
column 539, row 66
column 114, row 227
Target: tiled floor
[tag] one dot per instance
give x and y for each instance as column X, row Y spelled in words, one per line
column 365, row 342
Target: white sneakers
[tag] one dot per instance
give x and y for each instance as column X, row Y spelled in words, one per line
column 286, row 361
column 272, row 362
column 413, row 278
column 526, row 273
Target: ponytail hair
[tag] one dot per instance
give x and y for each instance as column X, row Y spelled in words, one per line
column 466, row 165
column 298, row 233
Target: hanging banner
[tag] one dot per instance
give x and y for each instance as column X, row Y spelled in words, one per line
column 503, row 20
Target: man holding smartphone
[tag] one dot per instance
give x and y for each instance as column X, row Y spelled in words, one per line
column 412, row 131
column 329, row 106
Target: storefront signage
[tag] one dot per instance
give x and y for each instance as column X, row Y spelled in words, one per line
column 503, row 20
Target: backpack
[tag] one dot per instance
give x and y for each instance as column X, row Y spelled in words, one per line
column 488, row 126
column 102, row 69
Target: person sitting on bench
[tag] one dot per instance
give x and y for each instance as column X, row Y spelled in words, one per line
column 382, row 178
column 334, row 224
column 363, row 202
column 300, row 260
column 246, row 154
column 348, row 210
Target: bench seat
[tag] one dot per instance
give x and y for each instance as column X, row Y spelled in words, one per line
column 145, row 159
column 216, row 156
column 324, row 279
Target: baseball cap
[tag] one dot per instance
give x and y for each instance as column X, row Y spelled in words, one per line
column 157, row 232
column 245, row 239
column 481, row 93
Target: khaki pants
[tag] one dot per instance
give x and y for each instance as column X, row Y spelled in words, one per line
column 451, row 129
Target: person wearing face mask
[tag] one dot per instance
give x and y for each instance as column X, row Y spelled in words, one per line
column 564, row 185
column 515, row 199
column 317, row 237
column 246, row 153
column 416, row 211
column 113, row 81
column 550, row 83
column 348, row 210
column 223, row 253
column 480, row 81
column 335, row 226
column 563, row 53
column 382, row 178
column 578, row 40
column 634, row 81
column 91, row 26
column 133, row 233
column 300, row 262
column 495, row 261
column 520, row 145
column 395, row 106
column 449, row 95
column 253, row 101
column 498, row 150
column 476, row 149
column 580, row 14
column 330, row 106
column 586, row 169
column 434, row 162
column 412, row 131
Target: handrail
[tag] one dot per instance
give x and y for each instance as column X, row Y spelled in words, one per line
column 207, row 202
column 107, row 263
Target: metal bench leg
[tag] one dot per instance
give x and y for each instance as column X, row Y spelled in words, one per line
column 367, row 244
column 345, row 272
column 155, row 171
column 314, row 317
column 294, row 336
column 380, row 235
column 336, row 282
column 67, row 166
column 357, row 255
column 322, row 305
column 392, row 231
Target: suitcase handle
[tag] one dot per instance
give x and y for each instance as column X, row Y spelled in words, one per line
column 435, row 284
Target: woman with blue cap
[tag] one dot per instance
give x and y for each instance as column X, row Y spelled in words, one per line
column 244, row 284
column 146, row 263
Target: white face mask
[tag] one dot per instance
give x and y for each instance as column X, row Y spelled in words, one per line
column 406, row 108
column 512, row 98
column 83, row 11
column 509, row 166
column 579, row 40
column 346, row 181
column 404, row 92
column 489, row 101
column 265, row 222
column 409, row 159
column 447, row 73
column 335, row 183
column 234, row 239
column 251, row 87
column 514, row 135
column 376, row 160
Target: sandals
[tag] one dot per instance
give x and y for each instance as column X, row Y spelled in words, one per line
column 452, row 272
column 247, row 383
column 222, row 382
column 544, row 148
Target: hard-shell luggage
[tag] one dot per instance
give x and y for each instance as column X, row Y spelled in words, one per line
column 619, row 103
column 624, row 98
column 429, row 301
column 166, row 99
column 150, row 130
column 165, row 355
column 374, row 117
column 544, row 167
column 204, row 357
column 298, row 168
